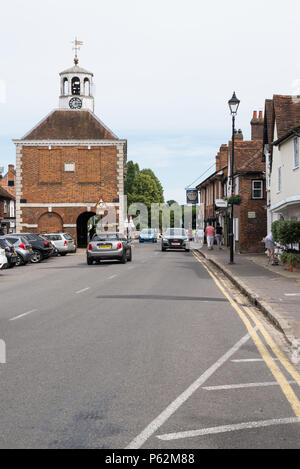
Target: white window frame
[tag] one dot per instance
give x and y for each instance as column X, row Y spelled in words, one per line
column 261, row 188
column 296, row 153
column 5, row 206
column 11, row 209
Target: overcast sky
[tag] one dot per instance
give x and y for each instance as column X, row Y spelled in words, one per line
column 164, row 71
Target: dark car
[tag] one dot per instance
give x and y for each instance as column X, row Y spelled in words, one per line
column 175, row 238
column 41, row 247
column 109, row 246
column 10, row 252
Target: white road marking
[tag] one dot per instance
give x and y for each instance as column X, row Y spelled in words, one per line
column 292, row 294
column 244, row 385
column 245, row 360
column 83, row 290
column 174, row 406
column 113, row 276
column 227, row 428
column 24, row 314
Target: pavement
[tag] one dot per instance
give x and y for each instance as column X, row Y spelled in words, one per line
column 273, row 289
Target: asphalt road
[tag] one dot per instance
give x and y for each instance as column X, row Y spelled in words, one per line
column 151, row 354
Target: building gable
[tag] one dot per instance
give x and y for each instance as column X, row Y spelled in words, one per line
column 70, row 125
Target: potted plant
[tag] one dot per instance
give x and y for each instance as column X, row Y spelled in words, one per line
column 234, row 199
column 291, row 260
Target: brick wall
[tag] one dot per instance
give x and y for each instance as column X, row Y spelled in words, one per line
column 252, row 230
column 44, row 179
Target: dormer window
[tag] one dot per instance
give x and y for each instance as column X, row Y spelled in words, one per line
column 75, row 86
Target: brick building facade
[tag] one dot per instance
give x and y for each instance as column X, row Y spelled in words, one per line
column 250, row 217
column 67, row 163
column 7, row 212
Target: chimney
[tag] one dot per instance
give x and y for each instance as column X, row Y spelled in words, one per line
column 257, row 126
column 239, row 135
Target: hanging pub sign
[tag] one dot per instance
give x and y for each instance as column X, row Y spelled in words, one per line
column 192, row 196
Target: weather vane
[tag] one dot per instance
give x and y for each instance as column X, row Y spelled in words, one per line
column 76, row 48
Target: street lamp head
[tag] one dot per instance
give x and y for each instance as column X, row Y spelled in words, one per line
column 234, row 103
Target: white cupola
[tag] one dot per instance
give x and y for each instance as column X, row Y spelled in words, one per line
column 76, row 89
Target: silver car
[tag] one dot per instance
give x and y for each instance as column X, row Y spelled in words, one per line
column 63, row 242
column 22, row 247
column 108, row 246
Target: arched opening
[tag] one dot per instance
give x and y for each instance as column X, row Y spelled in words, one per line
column 87, row 88
column 65, row 87
column 50, row 222
column 84, row 226
column 75, row 86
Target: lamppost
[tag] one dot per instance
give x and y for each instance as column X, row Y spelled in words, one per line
column 233, row 106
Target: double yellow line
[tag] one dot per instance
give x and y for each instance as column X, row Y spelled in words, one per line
column 245, row 313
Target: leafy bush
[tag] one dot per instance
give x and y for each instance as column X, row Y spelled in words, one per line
column 286, row 232
column 290, row 258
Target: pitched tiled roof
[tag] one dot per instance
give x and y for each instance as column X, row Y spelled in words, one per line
column 5, row 195
column 248, row 155
column 65, row 125
column 287, row 113
column 269, row 122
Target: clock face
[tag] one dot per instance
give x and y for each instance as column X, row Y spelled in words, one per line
column 75, row 103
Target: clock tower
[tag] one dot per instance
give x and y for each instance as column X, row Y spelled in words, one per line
column 76, row 89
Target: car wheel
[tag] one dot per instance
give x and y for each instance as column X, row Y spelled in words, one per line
column 19, row 260
column 163, row 249
column 89, row 261
column 124, row 258
column 63, row 253
column 37, row 256
column 129, row 258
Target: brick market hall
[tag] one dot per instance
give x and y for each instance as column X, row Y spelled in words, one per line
column 69, row 162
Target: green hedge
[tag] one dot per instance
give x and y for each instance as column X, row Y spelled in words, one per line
column 286, row 232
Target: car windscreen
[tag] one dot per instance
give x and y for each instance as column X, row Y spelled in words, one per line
column 53, row 237
column 4, row 243
column 147, row 231
column 176, row 232
column 106, row 237
column 68, row 236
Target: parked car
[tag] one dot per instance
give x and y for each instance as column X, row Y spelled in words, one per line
column 3, row 259
column 9, row 252
column 148, row 235
column 63, row 242
column 22, row 247
column 41, row 247
column 175, row 238
column 108, row 246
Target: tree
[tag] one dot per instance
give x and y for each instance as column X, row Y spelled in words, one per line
column 171, row 202
column 144, row 190
column 150, row 173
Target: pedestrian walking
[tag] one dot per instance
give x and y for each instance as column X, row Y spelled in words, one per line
column 219, row 235
column 270, row 246
column 199, row 236
column 210, row 236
